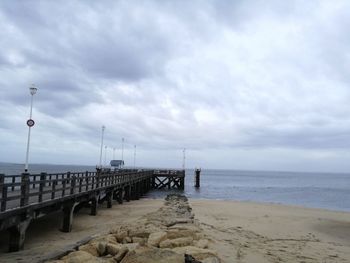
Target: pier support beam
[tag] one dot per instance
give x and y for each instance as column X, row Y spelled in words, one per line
column 137, row 191
column 17, row 235
column 127, row 190
column 94, row 204
column 198, row 178
column 67, row 221
column 120, row 196
column 109, row 198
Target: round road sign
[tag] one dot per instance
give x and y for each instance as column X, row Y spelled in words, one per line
column 30, row 123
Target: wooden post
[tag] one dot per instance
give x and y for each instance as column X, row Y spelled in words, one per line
column 109, row 199
column 24, row 189
column 182, row 183
column 17, row 235
column 13, row 182
column 87, row 181
column 80, row 183
column 137, row 191
column 67, row 221
column 93, row 181
column 41, row 186
column 34, row 179
column 53, row 190
column 94, row 204
column 98, row 174
column 170, row 178
column 3, row 188
column 64, row 184
column 127, row 193
column 120, row 196
column 72, row 185
column 153, row 182
column 198, row 178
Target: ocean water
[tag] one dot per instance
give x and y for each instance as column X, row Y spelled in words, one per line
column 316, row 190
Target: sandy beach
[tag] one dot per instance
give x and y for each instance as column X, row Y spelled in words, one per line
column 254, row 232
column 238, row 231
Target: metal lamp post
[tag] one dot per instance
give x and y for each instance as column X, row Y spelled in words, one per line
column 134, row 156
column 184, row 158
column 122, row 151
column 103, row 131
column 105, row 155
column 30, row 124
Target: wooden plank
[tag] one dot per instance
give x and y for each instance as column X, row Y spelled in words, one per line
column 24, row 189
column 3, row 188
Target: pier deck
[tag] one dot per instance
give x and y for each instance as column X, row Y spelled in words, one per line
column 26, row 197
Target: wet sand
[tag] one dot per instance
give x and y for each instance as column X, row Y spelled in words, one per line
column 239, row 231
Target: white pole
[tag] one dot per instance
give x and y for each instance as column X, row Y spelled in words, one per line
column 123, row 151
column 134, row 156
column 184, row 158
column 105, row 155
column 33, row 90
column 113, row 153
column 103, row 130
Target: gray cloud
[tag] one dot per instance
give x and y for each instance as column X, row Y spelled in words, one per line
column 211, row 76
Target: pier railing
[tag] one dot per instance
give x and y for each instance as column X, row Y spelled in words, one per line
column 22, row 190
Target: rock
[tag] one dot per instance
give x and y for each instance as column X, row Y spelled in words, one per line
column 121, row 234
column 113, row 249
column 90, row 248
column 110, row 238
column 202, row 243
column 139, row 240
column 211, row 260
column 132, row 246
column 79, row 257
column 172, row 222
column 127, row 240
column 139, row 232
column 198, row 253
column 190, row 259
column 101, row 248
column 122, row 252
column 155, row 238
column 108, row 259
column 154, row 255
column 175, row 233
column 177, row 242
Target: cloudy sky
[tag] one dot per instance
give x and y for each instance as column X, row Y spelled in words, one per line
column 240, row 84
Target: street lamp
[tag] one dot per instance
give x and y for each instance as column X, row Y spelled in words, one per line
column 184, row 158
column 30, row 123
column 103, row 131
column 134, row 156
column 105, row 155
column 122, row 151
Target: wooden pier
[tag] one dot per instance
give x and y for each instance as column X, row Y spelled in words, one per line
column 26, row 197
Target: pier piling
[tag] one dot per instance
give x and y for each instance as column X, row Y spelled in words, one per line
column 197, row 177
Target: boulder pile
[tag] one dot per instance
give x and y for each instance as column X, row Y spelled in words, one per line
column 169, row 235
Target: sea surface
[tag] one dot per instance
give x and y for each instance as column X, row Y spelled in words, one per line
column 316, row 190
